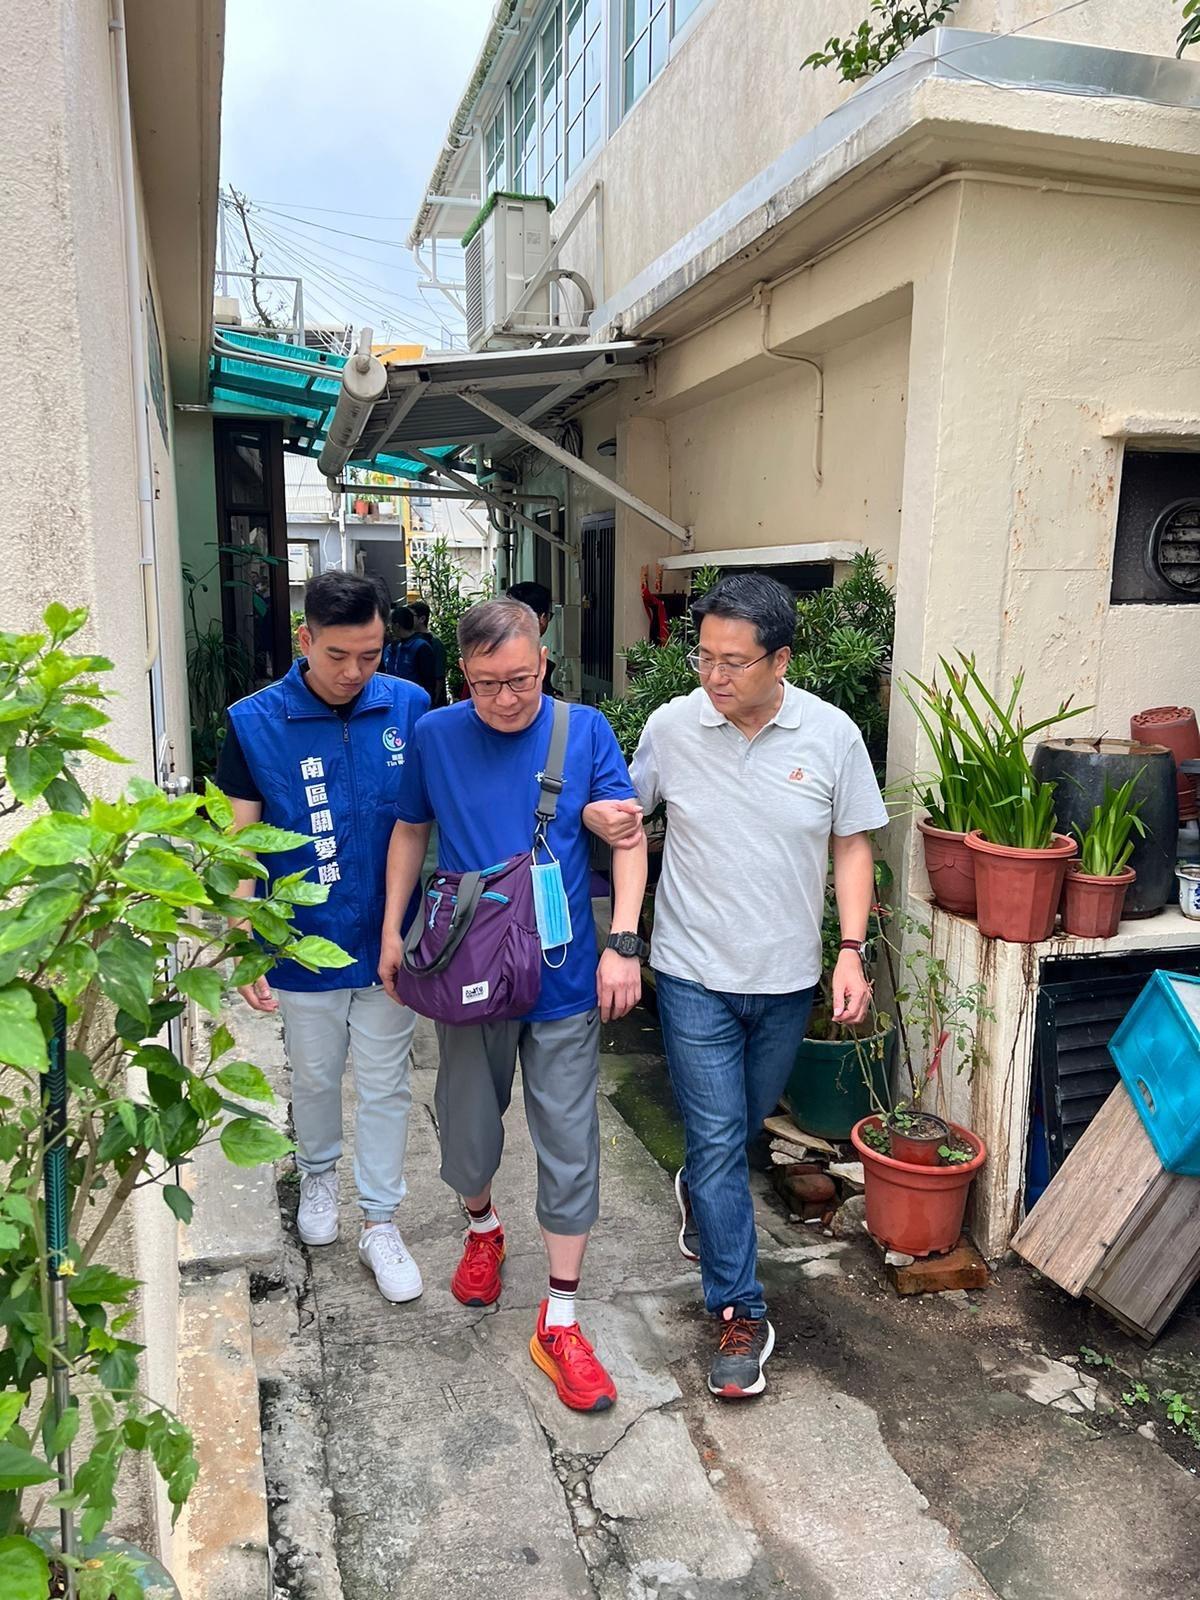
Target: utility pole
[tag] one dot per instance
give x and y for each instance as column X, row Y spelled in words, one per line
column 221, row 223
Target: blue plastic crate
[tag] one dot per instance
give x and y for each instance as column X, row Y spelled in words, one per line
column 1157, row 1052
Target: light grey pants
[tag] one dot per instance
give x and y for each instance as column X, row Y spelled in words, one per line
column 319, row 1031
column 560, row 1074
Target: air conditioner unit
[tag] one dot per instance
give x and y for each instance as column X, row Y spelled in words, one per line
column 508, row 247
column 299, row 563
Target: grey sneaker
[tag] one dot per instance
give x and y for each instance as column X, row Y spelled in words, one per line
column 737, row 1368
column 317, row 1218
column 689, row 1233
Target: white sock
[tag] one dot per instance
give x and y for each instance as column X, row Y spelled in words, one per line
column 483, row 1224
column 560, row 1308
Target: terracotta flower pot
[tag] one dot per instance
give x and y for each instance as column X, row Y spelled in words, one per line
column 1018, row 891
column 1174, row 726
column 1091, row 905
column 951, row 868
column 918, row 1210
column 918, row 1145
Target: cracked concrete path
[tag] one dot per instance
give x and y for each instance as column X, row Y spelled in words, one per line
column 911, row 1450
column 455, row 1471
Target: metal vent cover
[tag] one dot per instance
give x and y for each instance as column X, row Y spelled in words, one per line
column 1156, row 555
column 1175, row 547
column 474, row 282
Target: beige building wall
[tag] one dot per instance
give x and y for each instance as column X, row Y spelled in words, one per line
column 1070, row 320
column 738, row 91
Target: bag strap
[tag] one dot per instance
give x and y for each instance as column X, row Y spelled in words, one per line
column 551, row 778
column 470, row 889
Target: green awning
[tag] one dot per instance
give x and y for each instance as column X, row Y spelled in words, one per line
column 304, row 391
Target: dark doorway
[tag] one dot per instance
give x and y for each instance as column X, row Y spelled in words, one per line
column 252, row 535
column 597, row 576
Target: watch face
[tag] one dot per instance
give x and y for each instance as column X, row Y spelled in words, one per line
column 627, row 944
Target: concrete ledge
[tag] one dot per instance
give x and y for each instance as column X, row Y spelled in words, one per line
column 236, row 1219
column 222, row 1543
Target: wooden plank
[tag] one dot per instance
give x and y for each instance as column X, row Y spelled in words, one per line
column 1156, row 1259
column 785, row 1128
column 1089, row 1201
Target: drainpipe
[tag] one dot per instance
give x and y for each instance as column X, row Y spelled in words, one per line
column 762, row 299
column 135, row 277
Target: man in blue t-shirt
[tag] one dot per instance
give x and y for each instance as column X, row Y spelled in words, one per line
column 474, row 770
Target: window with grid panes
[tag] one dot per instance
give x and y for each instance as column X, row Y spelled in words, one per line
column 649, row 26
column 526, row 171
column 551, row 106
column 585, row 77
column 495, row 167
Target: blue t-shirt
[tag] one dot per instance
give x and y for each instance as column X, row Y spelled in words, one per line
column 481, row 788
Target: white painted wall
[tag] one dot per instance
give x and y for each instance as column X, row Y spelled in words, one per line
column 67, row 420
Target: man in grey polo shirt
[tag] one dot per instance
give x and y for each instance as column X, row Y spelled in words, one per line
column 761, row 782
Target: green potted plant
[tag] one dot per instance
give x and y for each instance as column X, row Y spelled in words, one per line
column 1096, row 884
column 918, row 1167
column 100, row 952
column 946, row 799
column 1020, row 861
column 839, row 1072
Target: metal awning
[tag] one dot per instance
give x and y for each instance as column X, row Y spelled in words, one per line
column 301, row 386
column 498, row 400
column 428, row 401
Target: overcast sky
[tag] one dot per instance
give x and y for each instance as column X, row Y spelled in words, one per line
column 343, row 104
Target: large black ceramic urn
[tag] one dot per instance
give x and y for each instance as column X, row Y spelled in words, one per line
column 1079, row 769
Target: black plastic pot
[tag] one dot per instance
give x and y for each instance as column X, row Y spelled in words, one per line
column 1079, row 769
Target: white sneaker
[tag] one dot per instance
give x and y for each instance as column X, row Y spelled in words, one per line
column 383, row 1250
column 317, row 1218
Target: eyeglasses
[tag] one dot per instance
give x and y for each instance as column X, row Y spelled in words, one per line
column 705, row 666
column 489, row 688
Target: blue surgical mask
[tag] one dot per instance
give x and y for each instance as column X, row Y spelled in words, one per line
column 550, row 908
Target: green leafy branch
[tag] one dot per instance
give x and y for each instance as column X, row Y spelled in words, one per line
column 114, row 915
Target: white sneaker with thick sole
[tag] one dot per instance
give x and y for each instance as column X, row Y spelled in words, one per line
column 383, row 1250
column 317, row 1218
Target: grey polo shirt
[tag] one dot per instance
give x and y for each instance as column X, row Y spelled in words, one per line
column 740, row 901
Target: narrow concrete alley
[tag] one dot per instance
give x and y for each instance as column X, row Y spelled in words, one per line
column 904, row 1449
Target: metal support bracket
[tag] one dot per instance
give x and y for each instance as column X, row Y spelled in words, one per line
column 581, row 469
column 493, row 500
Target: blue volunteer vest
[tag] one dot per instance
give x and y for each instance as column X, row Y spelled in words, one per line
column 340, row 780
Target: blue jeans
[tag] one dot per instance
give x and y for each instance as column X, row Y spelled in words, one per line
column 729, row 1056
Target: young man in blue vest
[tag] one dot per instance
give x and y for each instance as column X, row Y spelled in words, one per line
column 322, row 752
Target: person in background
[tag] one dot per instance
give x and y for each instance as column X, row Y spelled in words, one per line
column 408, row 655
column 420, row 611
column 538, row 598
column 322, row 752
column 762, row 782
column 476, row 767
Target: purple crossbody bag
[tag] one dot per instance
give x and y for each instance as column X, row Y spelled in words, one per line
column 472, row 953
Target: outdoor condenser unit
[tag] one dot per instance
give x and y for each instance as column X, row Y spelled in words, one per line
column 505, row 250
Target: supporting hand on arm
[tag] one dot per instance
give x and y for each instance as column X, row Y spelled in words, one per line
column 854, row 889
column 619, row 978
column 617, row 822
column 406, row 852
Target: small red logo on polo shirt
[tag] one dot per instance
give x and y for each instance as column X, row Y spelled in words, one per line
column 796, row 775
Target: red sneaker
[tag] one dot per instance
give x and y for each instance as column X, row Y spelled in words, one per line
column 569, row 1361
column 476, row 1280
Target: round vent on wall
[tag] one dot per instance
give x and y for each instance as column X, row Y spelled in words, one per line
column 1175, row 547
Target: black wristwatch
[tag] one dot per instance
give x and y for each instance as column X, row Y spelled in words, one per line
column 627, row 944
